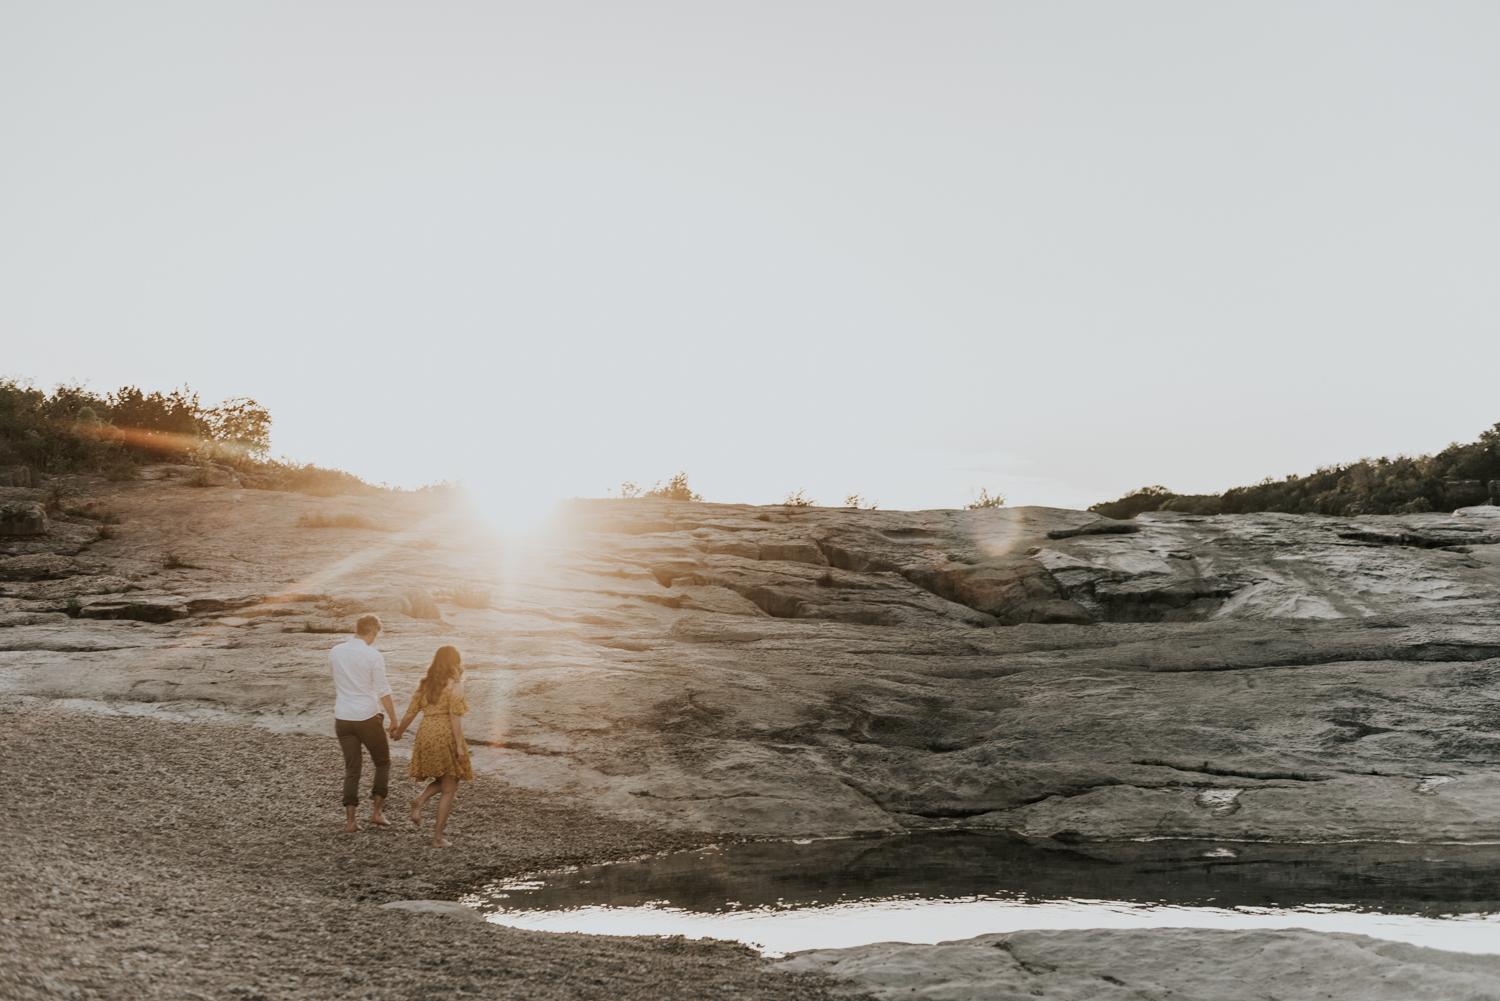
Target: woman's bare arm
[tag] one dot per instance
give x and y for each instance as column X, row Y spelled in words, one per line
column 401, row 727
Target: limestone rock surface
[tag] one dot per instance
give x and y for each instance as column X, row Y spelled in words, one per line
column 1128, row 965
column 40, row 566
column 796, row 671
column 148, row 610
column 413, row 602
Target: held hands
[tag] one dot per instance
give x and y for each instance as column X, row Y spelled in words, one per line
column 395, row 731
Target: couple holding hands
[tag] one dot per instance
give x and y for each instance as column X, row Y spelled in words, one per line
column 440, row 754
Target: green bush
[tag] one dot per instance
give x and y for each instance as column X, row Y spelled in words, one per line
column 1459, row 475
column 76, row 430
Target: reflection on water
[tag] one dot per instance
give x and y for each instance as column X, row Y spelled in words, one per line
column 784, row 896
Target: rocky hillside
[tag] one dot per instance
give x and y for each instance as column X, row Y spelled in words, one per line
column 773, row 670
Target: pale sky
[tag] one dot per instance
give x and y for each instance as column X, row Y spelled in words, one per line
column 1060, row 250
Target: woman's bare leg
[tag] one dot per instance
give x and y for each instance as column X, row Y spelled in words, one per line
column 420, row 800
column 445, row 806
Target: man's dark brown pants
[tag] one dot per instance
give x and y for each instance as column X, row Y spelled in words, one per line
column 371, row 733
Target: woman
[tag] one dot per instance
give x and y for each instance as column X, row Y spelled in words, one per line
column 440, row 753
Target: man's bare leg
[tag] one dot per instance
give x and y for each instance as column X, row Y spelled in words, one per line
column 351, row 825
column 376, row 817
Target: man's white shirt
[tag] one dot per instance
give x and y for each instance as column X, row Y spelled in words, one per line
column 358, row 678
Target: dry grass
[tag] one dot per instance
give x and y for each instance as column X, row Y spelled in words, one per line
column 57, row 495
column 94, row 512
column 466, row 595
column 341, row 519
column 172, row 560
column 326, row 626
column 799, row 498
column 985, row 499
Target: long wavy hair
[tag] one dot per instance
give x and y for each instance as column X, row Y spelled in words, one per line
column 447, row 665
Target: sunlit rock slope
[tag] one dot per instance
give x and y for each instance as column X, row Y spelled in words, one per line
column 772, row 670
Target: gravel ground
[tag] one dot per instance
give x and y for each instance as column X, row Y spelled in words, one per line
column 150, row 859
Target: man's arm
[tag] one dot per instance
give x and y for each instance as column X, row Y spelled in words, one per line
column 397, row 729
column 381, row 687
column 390, row 713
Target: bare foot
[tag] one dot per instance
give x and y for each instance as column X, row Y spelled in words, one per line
column 416, row 811
column 380, row 820
column 440, row 843
column 352, row 827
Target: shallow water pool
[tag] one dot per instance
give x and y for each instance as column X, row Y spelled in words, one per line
column 784, row 896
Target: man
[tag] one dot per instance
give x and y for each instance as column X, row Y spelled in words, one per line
column 359, row 681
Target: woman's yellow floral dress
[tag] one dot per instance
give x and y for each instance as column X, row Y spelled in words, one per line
column 435, row 754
